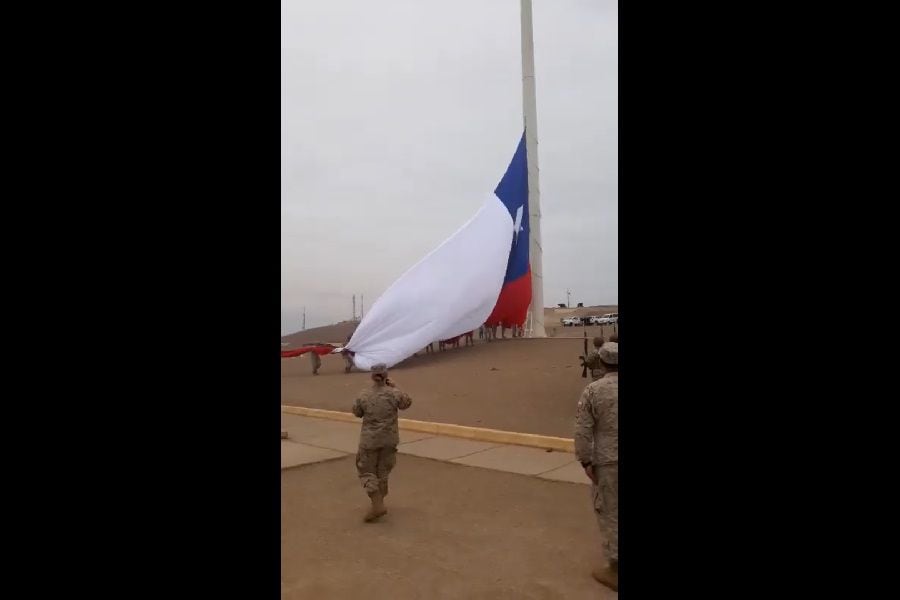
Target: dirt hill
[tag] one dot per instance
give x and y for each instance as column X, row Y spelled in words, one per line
column 329, row 334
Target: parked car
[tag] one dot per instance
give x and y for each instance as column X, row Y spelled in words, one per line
column 594, row 320
column 608, row 319
column 571, row 322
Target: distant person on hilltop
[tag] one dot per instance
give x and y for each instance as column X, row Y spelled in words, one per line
column 377, row 406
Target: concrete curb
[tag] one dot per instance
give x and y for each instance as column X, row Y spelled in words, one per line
column 544, row 442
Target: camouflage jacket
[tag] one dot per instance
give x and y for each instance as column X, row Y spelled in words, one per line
column 377, row 406
column 597, row 422
column 593, row 362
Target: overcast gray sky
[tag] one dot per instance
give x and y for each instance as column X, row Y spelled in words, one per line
column 399, row 116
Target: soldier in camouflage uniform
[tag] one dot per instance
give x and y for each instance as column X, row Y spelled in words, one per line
column 348, row 358
column 597, row 449
column 593, row 361
column 316, row 362
column 378, row 438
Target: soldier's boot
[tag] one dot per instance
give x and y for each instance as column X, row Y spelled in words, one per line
column 377, row 509
column 609, row 575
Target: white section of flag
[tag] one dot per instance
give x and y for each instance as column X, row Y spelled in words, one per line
column 449, row 292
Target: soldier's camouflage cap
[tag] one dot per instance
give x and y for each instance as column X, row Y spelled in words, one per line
column 379, row 369
column 609, row 353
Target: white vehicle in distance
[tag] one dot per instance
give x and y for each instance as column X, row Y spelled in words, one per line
column 607, row 319
column 594, row 319
column 571, row 322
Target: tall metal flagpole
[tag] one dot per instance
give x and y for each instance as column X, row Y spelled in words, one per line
column 534, row 194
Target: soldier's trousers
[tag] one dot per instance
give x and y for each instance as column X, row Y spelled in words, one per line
column 606, row 506
column 374, row 467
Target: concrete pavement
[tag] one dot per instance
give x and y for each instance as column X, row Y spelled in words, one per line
column 313, row 440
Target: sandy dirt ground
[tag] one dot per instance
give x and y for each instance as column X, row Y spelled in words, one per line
column 524, row 385
column 451, row 532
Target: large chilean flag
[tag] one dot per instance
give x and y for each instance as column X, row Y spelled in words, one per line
column 480, row 274
column 515, row 295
